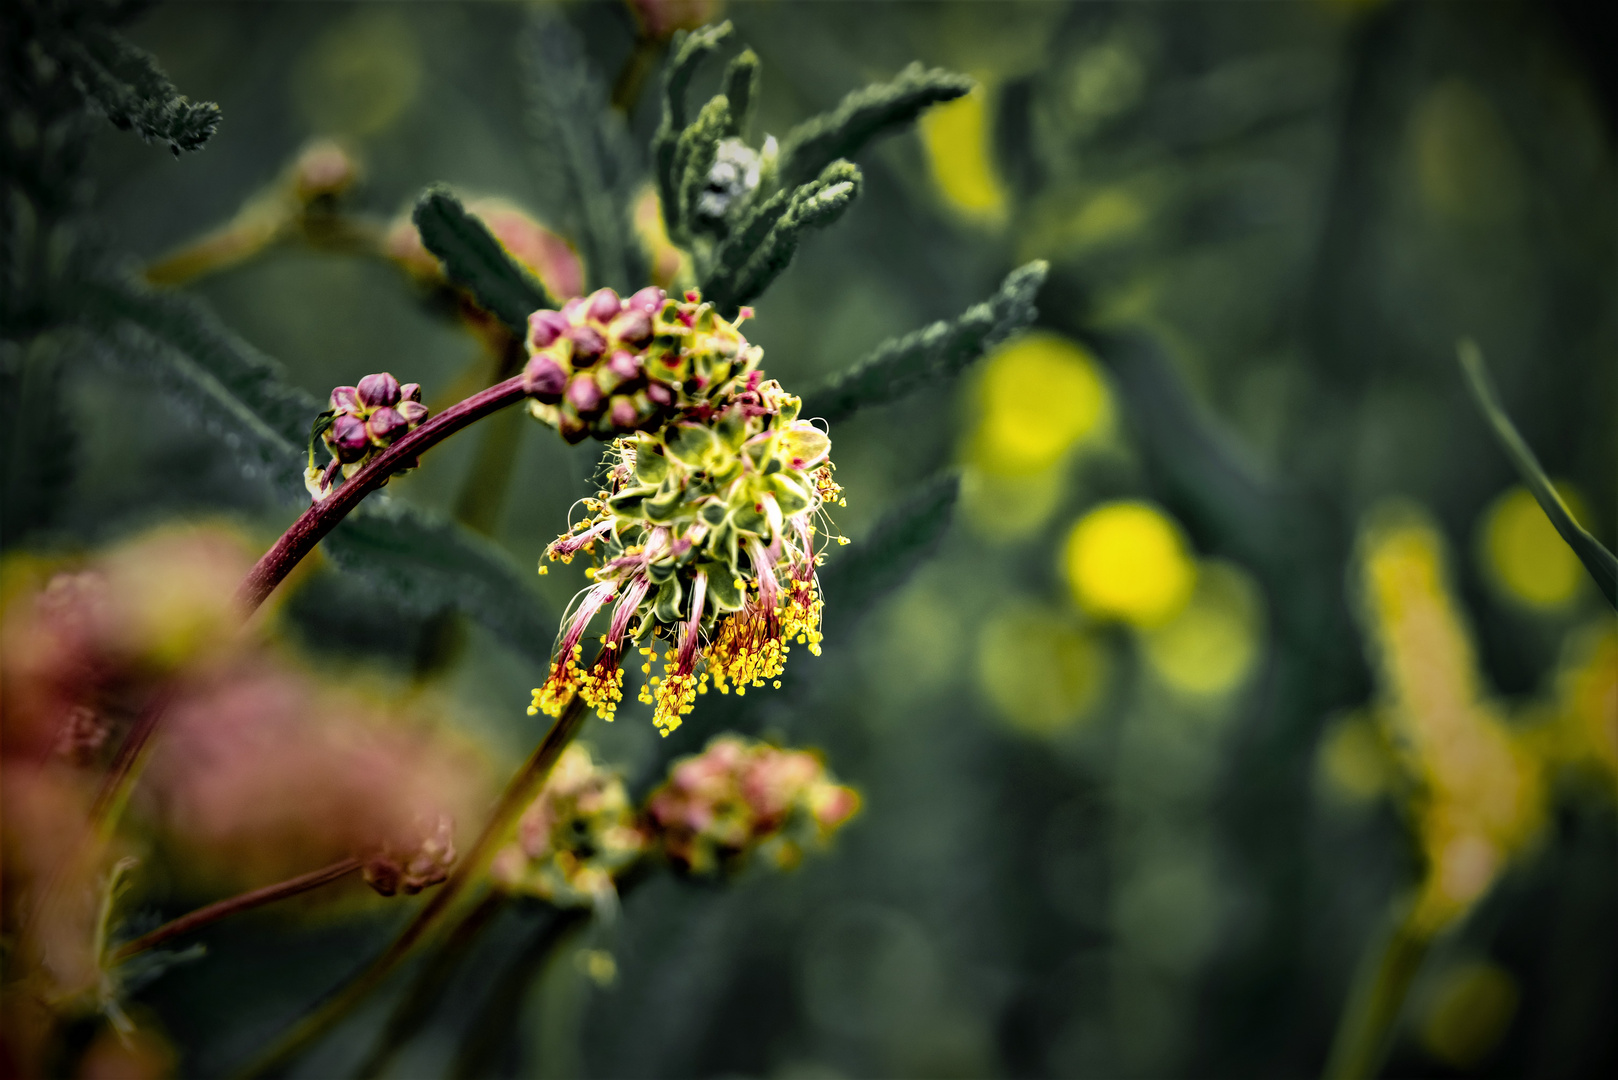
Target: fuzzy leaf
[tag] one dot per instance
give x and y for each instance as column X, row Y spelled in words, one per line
column 863, row 115
column 782, row 221
column 37, row 433
column 1600, row 562
column 474, row 260
column 740, row 88
column 940, row 351
column 694, row 157
column 884, row 560
column 428, row 564
column 125, row 85
column 584, row 149
column 689, row 51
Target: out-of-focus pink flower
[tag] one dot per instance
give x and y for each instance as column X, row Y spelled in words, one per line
column 661, row 18
column 546, row 255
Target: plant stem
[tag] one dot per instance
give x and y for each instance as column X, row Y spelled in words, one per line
column 518, row 794
column 244, row 902
column 1367, row 1025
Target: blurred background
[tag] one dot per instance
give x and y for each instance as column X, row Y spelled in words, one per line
column 1142, row 749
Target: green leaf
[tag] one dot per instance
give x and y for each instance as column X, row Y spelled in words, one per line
column 1600, row 562
column 37, row 435
column 883, row 561
column 689, row 51
column 474, row 260
column 694, row 157
column 740, row 87
column 429, row 564
column 781, row 223
column 940, row 351
column 583, row 151
column 861, row 116
column 125, row 85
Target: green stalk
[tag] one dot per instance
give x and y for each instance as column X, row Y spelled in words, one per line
column 1369, row 1020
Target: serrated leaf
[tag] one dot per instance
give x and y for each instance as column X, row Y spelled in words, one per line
column 429, row 564
column 474, row 260
column 584, row 151
column 125, row 85
column 862, row 115
column 884, row 560
column 689, row 51
column 940, row 351
column 1601, row 563
column 809, row 206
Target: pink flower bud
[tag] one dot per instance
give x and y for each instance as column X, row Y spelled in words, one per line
column 660, row 394
column 633, row 327
column 572, row 308
column 347, row 438
column 623, row 413
column 584, row 395
column 543, row 378
column 410, row 391
column 414, row 412
column 625, row 365
column 588, row 343
column 603, row 305
column 376, row 391
column 386, row 425
column 545, row 327
column 345, row 399
column 648, row 300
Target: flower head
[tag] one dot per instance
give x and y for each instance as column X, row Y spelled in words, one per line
column 707, row 536
column 739, row 796
column 365, row 419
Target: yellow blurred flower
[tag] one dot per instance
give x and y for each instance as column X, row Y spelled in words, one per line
column 1587, row 698
column 1038, row 669
column 1524, row 556
column 1354, row 759
column 957, row 139
column 1210, row 648
column 1469, row 1013
column 1127, row 560
column 1038, row 397
column 1480, row 791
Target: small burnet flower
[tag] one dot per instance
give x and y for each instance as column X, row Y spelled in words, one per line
column 707, row 535
column 574, row 839
column 739, row 796
column 365, row 418
column 412, row 867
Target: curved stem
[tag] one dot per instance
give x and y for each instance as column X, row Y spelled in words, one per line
column 518, row 794
column 1371, row 1014
column 244, row 902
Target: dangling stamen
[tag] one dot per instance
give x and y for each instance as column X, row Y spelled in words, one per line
column 565, row 674
column 678, row 688
column 602, row 687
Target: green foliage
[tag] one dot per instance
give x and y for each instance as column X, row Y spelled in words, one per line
column 429, row 564
column 474, row 260
column 863, row 115
column 901, row 541
column 694, row 156
column 780, row 224
column 38, row 443
column 125, row 84
column 689, row 51
column 584, row 153
column 740, row 88
column 1600, row 562
column 940, row 351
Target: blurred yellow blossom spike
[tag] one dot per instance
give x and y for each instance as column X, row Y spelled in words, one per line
column 1211, row 647
column 1479, row 793
column 1524, row 557
column 958, row 140
column 1128, row 561
column 1038, row 397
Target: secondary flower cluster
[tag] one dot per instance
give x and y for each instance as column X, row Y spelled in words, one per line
column 365, row 419
column 605, row 366
column 706, row 535
column 739, row 796
column 574, row 839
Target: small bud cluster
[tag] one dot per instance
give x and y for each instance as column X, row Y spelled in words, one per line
column 412, row 867
column 708, row 535
column 739, row 796
column 575, row 837
column 604, row 366
column 365, row 419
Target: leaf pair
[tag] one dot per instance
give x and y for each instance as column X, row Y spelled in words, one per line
column 475, row 261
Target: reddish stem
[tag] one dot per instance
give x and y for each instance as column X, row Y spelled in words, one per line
column 324, row 515
column 246, row 901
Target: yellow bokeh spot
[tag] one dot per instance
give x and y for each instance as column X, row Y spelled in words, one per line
column 1039, row 670
column 1523, row 554
column 1466, row 167
column 1587, row 692
column 1211, row 647
column 361, row 74
column 1111, row 214
column 1469, row 1013
column 1038, row 396
column 1127, row 560
column 956, row 137
column 1008, row 508
column 1354, row 759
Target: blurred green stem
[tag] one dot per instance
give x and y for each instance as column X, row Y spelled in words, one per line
column 1365, row 1030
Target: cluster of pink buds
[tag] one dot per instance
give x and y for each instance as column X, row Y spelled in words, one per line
column 364, row 419
column 739, row 796
column 412, row 867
